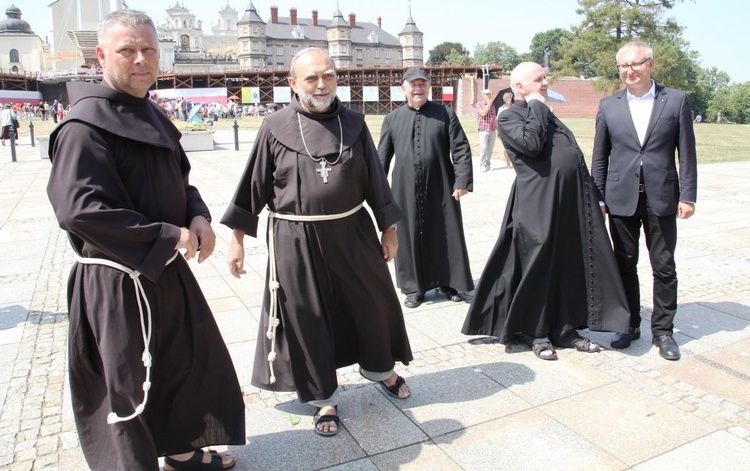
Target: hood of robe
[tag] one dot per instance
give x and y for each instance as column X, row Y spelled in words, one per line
column 138, row 119
column 320, row 130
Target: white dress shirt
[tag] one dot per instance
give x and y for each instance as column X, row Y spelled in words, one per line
column 640, row 110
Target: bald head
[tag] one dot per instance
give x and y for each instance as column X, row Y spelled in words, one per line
column 529, row 78
column 310, row 54
column 312, row 76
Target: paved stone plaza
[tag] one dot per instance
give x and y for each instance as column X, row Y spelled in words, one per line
column 476, row 404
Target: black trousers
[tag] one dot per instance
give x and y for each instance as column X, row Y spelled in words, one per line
column 661, row 240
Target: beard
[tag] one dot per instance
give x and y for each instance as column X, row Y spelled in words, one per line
column 313, row 103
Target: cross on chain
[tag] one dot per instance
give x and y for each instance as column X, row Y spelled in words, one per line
column 323, row 170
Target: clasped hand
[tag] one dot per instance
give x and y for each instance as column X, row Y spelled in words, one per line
column 198, row 238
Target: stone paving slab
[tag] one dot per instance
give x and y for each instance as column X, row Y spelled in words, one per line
column 476, row 404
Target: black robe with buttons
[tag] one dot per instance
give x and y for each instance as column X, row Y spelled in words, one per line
column 433, row 157
column 553, row 265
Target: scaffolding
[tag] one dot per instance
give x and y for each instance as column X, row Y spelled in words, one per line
column 265, row 81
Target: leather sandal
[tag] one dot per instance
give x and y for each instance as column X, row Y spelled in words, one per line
column 545, row 351
column 317, row 419
column 582, row 344
column 195, row 463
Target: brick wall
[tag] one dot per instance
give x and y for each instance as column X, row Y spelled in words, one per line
column 582, row 99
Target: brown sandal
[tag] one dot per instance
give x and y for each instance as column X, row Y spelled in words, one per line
column 582, row 344
column 540, row 349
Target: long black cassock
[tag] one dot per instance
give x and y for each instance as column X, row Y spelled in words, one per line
column 337, row 303
column 553, row 264
column 433, row 157
column 119, row 186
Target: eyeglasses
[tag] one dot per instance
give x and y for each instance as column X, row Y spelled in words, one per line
column 634, row 65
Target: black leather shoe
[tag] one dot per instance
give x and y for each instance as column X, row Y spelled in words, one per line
column 451, row 294
column 668, row 348
column 620, row 340
column 413, row 300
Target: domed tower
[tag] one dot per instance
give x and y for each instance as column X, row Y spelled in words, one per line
column 183, row 27
column 411, row 44
column 251, row 36
column 339, row 36
column 13, row 24
column 16, row 41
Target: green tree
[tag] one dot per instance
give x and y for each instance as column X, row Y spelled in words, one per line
column 608, row 24
column 734, row 103
column 440, row 53
column 550, row 39
column 710, row 81
column 456, row 59
column 496, row 53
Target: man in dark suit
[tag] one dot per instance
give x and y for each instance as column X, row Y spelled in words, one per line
column 633, row 164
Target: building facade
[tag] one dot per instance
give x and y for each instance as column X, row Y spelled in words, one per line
column 252, row 43
column 21, row 51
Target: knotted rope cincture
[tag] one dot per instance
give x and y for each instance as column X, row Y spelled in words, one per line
column 141, row 299
column 273, row 283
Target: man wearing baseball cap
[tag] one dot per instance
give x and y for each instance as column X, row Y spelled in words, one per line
column 432, row 170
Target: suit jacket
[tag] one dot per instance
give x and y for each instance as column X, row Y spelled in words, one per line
column 618, row 154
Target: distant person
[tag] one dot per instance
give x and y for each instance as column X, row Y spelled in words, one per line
column 330, row 301
column 149, row 372
column 552, row 270
column 9, row 121
column 644, row 163
column 718, row 117
column 432, row 171
column 486, row 127
column 507, row 103
column 54, row 110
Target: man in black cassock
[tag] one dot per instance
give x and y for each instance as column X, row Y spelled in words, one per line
column 330, row 300
column 552, row 270
column 149, row 372
column 432, row 171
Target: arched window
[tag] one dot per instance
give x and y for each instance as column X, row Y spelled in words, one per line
column 14, row 55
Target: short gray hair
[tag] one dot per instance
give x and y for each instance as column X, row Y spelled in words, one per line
column 637, row 45
column 132, row 18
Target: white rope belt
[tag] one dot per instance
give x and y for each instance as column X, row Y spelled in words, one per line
column 273, row 283
column 140, row 297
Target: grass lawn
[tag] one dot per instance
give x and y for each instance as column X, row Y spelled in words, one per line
column 715, row 142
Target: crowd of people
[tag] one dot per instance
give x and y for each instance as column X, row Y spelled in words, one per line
column 150, row 374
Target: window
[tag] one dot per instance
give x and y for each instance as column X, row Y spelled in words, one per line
column 388, row 55
column 256, row 63
column 376, row 53
column 14, row 55
column 279, row 50
column 269, row 50
column 256, row 46
column 245, row 46
column 280, row 66
column 294, row 50
column 359, row 54
column 255, row 30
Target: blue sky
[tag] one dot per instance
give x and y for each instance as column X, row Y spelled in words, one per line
column 711, row 26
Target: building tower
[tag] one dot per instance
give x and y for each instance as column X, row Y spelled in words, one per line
column 338, row 35
column 251, row 36
column 412, row 44
column 183, row 27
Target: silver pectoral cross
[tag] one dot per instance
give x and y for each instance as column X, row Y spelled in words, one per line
column 323, row 170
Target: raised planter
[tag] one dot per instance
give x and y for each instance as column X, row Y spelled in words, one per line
column 43, row 143
column 197, row 140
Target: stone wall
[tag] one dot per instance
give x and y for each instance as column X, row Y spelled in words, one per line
column 582, row 100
